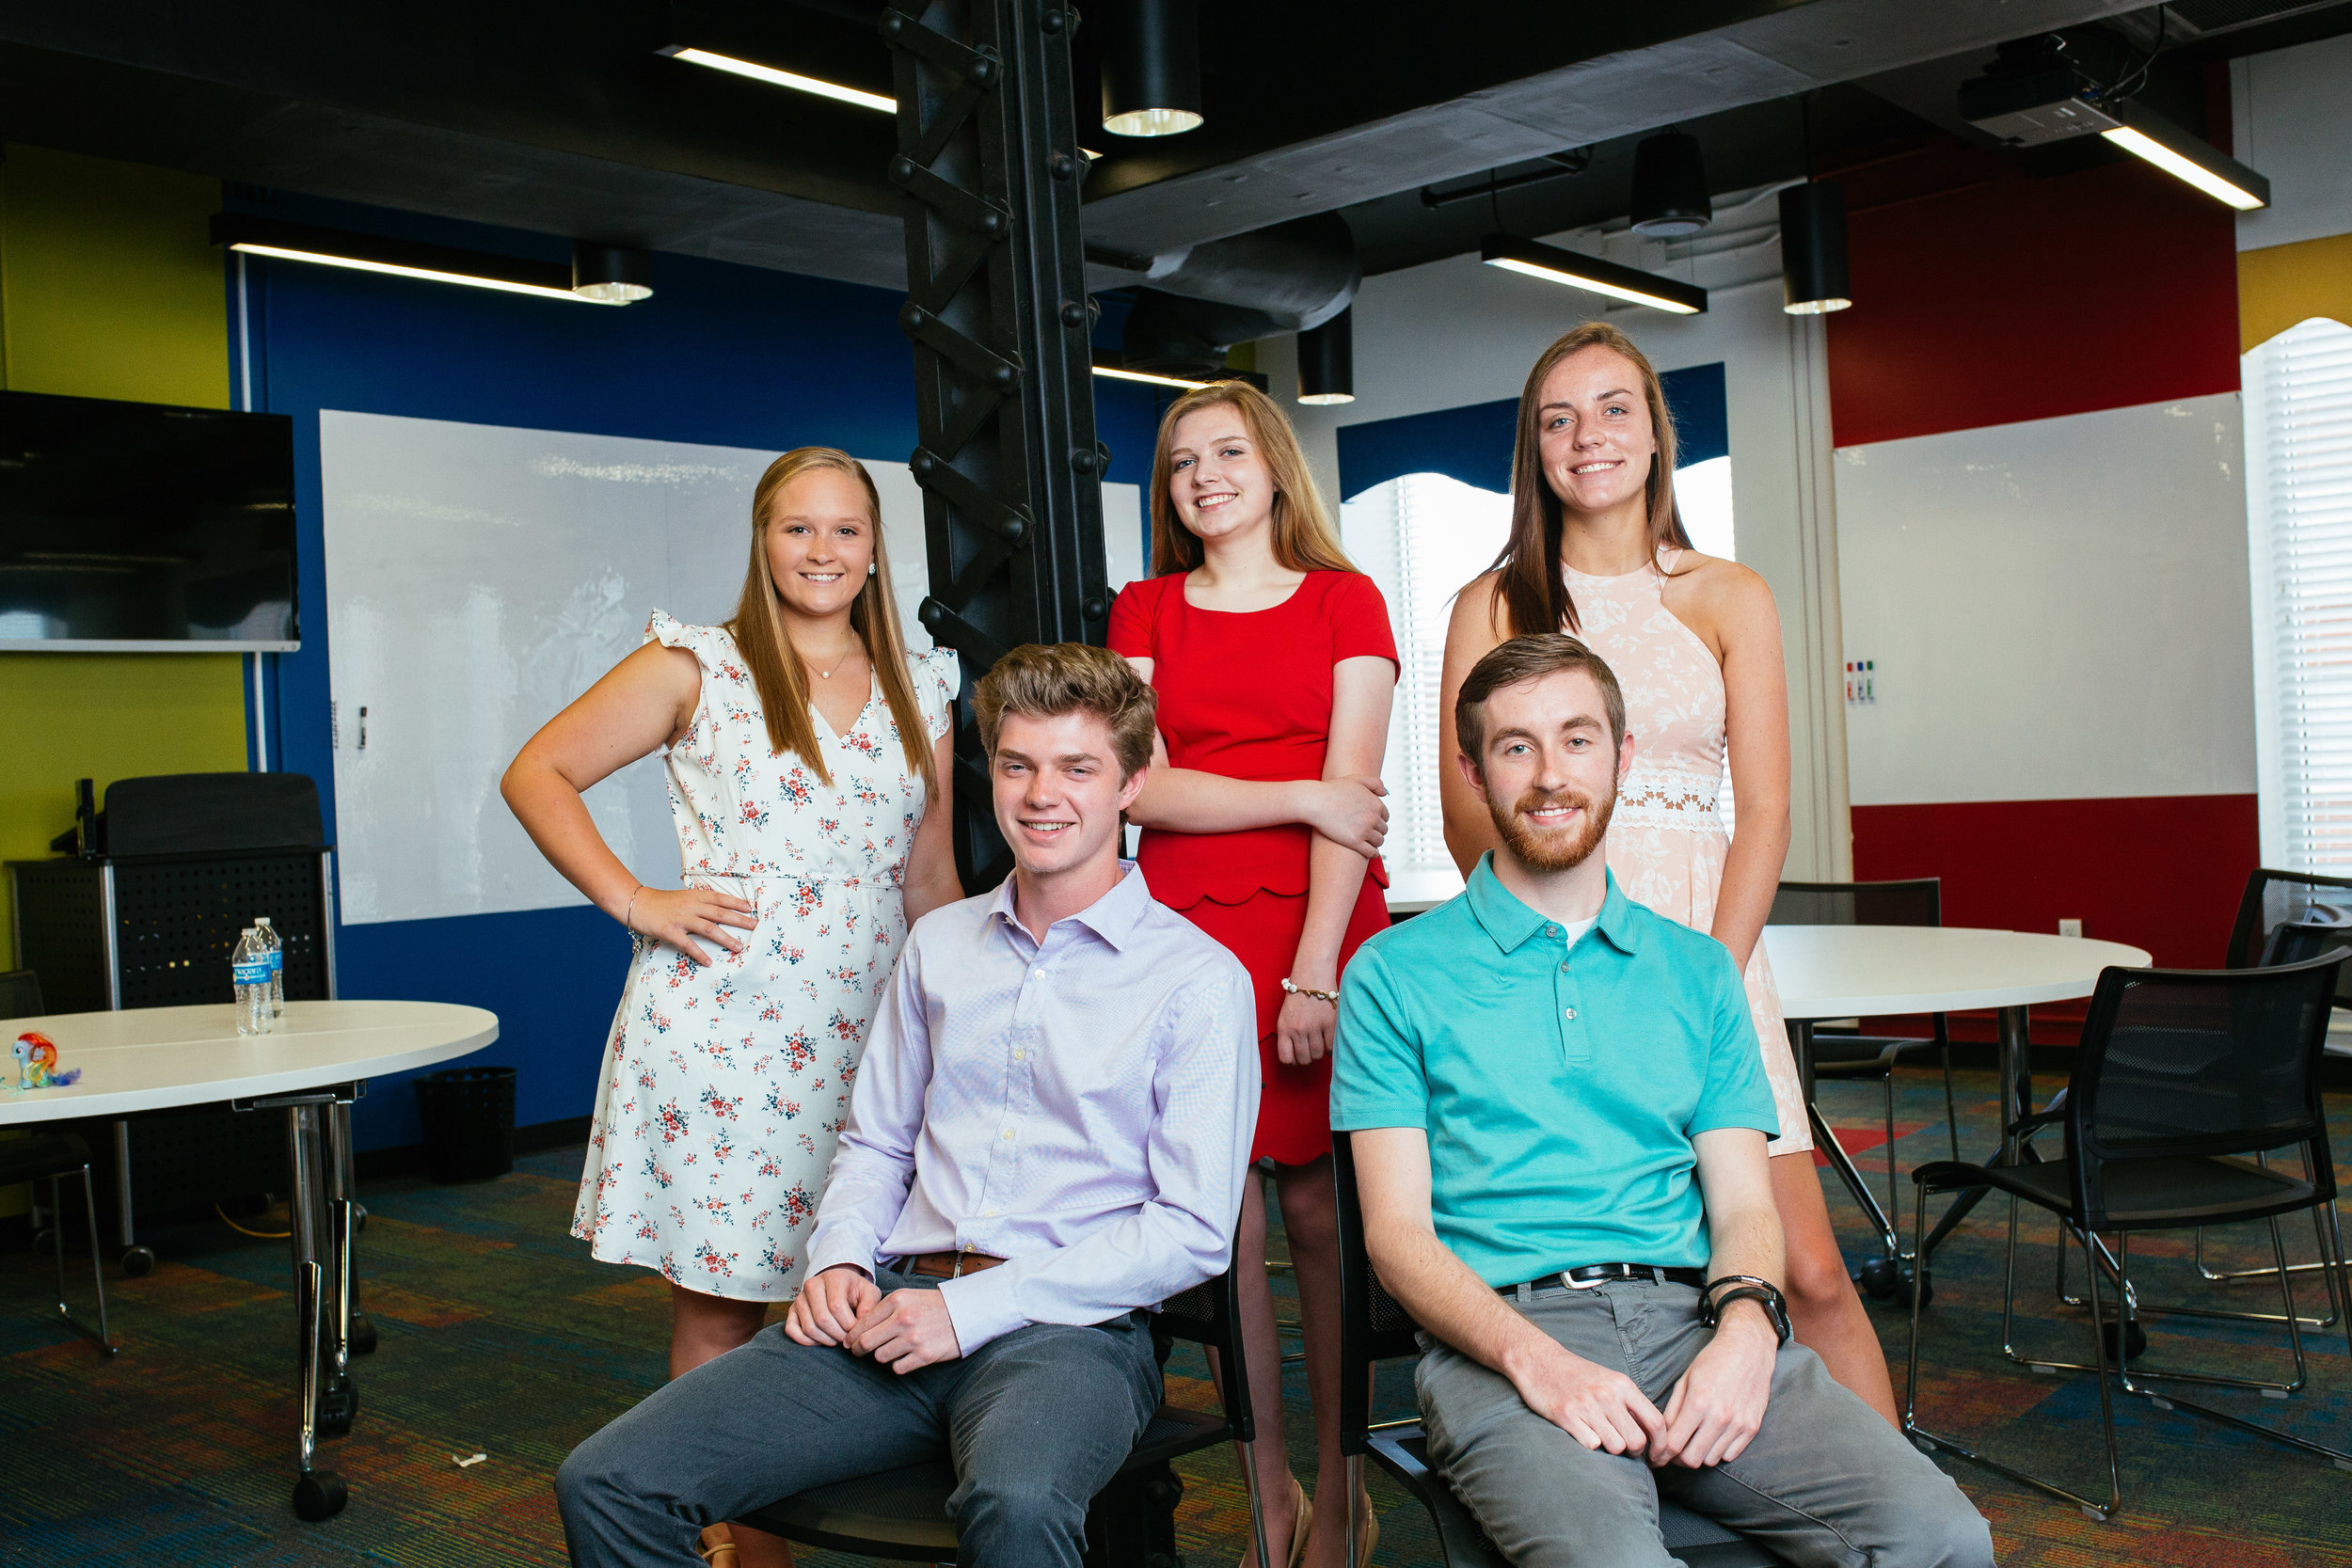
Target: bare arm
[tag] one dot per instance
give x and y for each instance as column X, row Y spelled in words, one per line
column 1346, row 810
column 1719, row 1402
column 643, row 702
column 1756, row 723
column 1361, row 690
column 1599, row 1408
column 1477, row 626
column 930, row 879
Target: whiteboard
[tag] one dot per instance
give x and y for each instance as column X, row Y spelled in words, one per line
column 2056, row 608
column 479, row 578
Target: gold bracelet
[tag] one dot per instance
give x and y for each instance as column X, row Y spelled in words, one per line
column 630, row 908
column 1330, row 996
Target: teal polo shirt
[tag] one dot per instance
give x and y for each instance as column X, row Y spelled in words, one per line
column 1560, row 1084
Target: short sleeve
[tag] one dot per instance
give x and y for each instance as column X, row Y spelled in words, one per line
column 1360, row 620
column 1736, row 1092
column 1130, row 635
column 1377, row 1079
column 938, row 675
column 712, row 645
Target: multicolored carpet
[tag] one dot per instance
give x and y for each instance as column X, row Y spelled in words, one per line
column 500, row 1337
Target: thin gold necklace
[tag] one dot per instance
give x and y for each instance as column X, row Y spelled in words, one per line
column 827, row 674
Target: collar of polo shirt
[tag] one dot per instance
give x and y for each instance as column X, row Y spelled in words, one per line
column 1509, row 921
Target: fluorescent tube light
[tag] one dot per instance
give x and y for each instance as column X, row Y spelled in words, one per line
column 2145, row 134
column 1118, row 373
column 393, row 258
column 775, row 78
column 1555, row 265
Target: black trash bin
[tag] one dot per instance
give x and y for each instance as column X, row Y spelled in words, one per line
column 468, row 1117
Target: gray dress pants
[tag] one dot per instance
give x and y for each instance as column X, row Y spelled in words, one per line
column 1036, row 1422
column 1825, row 1481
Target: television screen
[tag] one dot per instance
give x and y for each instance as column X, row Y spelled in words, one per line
column 136, row 527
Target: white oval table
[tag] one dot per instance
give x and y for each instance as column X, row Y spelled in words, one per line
column 1861, row 971
column 318, row 1059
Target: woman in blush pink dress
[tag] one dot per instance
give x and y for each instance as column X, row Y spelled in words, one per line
column 1597, row 551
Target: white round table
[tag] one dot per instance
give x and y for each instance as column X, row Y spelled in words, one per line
column 311, row 1066
column 1861, row 971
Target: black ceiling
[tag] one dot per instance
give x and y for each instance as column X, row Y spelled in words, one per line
column 561, row 119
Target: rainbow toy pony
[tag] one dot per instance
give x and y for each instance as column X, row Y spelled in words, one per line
column 37, row 1063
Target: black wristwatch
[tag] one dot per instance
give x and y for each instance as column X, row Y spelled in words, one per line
column 1744, row 1286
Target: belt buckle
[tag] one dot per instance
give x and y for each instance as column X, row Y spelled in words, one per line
column 1583, row 1284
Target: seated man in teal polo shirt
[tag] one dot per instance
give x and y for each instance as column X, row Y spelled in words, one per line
column 1558, row 1114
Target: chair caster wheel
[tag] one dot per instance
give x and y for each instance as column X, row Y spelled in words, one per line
column 2134, row 1341
column 1879, row 1278
column 138, row 1260
column 44, row 1240
column 339, row 1403
column 1915, row 1280
column 359, row 1216
column 362, row 1334
column 319, row 1494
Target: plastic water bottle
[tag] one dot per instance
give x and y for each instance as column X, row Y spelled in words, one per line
column 277, row 947
column 248, row 971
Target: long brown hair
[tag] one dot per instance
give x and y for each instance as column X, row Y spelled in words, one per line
column 1528, row 583
column 760, row 635
column 1304, row 539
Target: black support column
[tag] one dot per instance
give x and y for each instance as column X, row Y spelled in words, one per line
column 989, row 168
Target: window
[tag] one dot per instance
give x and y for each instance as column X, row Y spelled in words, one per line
column 2299, row 451
column 1420, row 537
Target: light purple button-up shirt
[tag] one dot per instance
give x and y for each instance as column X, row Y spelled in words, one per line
column 1081, row 1106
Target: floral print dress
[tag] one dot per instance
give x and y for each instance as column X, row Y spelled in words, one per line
column 725, row 1087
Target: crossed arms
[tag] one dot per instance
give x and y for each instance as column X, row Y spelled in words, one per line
column 1719, row 1402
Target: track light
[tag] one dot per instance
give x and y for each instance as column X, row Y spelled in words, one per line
column 434, row 264
column 1326, row 361
column 1670, row 195
column 1151, row 68
column 1813, row 279
column 775, row 78
column 1555, row 265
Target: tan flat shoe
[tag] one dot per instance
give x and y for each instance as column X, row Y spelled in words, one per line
column 1306, row 1521
column 717, row 1546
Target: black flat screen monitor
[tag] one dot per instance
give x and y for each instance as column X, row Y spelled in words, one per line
column 141, row 527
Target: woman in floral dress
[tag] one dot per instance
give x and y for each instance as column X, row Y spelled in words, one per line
column 804, row 747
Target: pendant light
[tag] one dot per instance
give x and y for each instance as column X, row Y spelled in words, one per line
column 1151, row 68
column 1326, row 361
column 611, row 274
column 1670, row 195
column 1813, row 279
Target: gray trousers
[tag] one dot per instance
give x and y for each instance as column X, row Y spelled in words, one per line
column 1825, row 1481
column 1036, row 1422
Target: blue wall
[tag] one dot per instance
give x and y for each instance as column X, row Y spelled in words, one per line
column 729, row 354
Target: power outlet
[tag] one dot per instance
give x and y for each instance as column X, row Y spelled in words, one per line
column 2070, row 927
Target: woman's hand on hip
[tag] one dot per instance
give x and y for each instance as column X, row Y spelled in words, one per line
column 678, row 915
column 1303, row 1029
column 1350, row 810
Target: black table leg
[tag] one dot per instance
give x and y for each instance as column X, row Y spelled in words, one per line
column 1881, row 1276
column 2016, row 1101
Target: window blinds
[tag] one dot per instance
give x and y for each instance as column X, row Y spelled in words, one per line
column 2298, row 391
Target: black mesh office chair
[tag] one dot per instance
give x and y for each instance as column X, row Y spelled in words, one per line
column 36, row 1155
column 903, row 1513
column 2183, row 1080
column 1374, row 1328
column 1848, row 1056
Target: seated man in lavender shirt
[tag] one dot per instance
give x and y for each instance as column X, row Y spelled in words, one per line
column 1047, row 1138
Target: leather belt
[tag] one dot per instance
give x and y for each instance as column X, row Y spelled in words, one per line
column 948, row 1265
column 1609, row 1274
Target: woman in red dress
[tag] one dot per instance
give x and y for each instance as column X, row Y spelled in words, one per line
column 1263, row 819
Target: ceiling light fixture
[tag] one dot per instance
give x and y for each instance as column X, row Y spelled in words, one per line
column 2144, row 134
column 433, row 264
column 1326, row 361
column 1813, row 276
column 1670, row 195
column 1555, row 265
column 775, row 78
column 611, row 274
column 1121, row 373
column 1151, row 68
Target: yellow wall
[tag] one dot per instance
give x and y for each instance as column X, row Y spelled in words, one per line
column 2288, row 284
column 109, row 288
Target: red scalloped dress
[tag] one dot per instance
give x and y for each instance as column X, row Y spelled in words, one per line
column 1248, row 695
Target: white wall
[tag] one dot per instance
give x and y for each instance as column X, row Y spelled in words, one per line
column 2056, row 608
column 1456, row 332
column 2292, row 115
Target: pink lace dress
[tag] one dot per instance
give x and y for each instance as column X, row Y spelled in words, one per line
column 1666, row 844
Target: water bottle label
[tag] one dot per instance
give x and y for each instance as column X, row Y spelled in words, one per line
column 276, row 961
column 252, row 972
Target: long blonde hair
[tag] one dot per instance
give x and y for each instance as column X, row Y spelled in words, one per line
column 775, row 668
column 1528, row 581
column 1304, row 539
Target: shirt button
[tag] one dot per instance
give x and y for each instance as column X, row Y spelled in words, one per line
column 1569, row 1012
column 1037, row 974
column 1008, row 1134
column 1018, row 1055
column 1551, row 931
column 1563, row 968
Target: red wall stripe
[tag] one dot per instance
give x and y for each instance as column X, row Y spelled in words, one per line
column 1985, row 296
